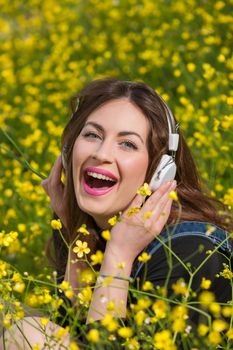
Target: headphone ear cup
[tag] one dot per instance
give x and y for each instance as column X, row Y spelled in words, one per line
column 166, row 171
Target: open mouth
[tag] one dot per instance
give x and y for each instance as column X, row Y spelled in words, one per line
column 94, row 180
column 95, row 183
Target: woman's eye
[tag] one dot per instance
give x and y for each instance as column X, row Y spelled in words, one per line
column 91, row 135
column 129, row 145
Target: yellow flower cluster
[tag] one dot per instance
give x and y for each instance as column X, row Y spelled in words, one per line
column 64, row 45
column 6, row 239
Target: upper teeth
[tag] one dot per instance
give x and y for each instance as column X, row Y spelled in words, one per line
column 99, row 176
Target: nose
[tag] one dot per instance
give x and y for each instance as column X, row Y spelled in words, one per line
column 103, row 152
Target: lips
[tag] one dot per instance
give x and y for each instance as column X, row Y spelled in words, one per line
column 97, row 181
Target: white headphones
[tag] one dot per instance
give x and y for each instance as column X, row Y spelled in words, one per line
column 166, row 170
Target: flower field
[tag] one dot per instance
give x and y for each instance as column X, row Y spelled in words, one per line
column 48, row 51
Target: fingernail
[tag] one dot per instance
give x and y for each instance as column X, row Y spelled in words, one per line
column 173, row 184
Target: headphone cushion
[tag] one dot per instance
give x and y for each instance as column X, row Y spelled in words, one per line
column 166, row 171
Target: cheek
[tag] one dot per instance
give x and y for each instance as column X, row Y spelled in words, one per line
column 136, row 169
column 77, row 157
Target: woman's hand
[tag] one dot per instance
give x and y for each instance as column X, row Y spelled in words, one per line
column 55, row 189
column 134, row 232
column 128, row 238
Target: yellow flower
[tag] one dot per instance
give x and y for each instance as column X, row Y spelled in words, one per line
column 109, row 323
column 178, row 325
column 215, row 308
column 19, row 287
column 97, row 258
column 144, row 190
column 112, row 221
column 144, row 257
column 132, row 344
column 81, row 249
column 56, row 224
column 227, row 311
column 173, row 195
column 6, row 239
column 206, row 298
column 214, row 338
column 226, row 273
column 205, row 284
column 179, row 311
column 106, row 235
column 83, row 229
column 61, row 333
column 133, row 211
column 73, row 346
column 67, row 289
column 219, row 325
column 148, row 215
column 7, row 320
column 105, row 281
column 163, row 340
column 87, row 276
column 142, row 303
column 147, row 285
column 93, row 336
column 180, row 287
column 125, row 332
column 230, row 334
column 160, row 308
column 191, row 67
column 111, row 306
column 209, row 230
column 202, row 329
column 140, row 317
column 121, row 265
column 85, row 296
column 44, row 321
column 36, row 347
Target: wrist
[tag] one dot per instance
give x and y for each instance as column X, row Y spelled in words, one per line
column 115, row 263
column 119, row 253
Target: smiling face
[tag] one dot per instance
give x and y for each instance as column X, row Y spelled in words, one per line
column 110, row 159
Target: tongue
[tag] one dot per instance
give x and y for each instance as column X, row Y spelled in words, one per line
column 99, row 183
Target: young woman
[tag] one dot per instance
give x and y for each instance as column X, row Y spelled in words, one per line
column 112, row 145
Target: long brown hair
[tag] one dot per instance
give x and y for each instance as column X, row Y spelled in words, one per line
column 196, row 205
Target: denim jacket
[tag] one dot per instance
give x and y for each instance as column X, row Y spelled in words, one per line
column 219, row 237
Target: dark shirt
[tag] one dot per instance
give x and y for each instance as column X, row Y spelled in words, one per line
column 191, row 245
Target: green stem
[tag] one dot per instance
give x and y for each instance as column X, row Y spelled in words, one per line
column 23, row 162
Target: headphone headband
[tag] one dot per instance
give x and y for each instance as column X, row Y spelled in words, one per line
column 173, row 136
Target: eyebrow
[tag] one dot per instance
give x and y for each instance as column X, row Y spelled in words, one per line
column 121, row 133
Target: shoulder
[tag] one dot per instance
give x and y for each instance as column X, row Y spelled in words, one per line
column 188, row 248
column 193, row 232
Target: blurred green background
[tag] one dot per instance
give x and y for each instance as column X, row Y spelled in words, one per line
column 49, row 49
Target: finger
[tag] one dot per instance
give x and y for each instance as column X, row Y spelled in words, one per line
column 139, row 199
column 44, row 184
column 162, row 220
column 159, row 218
column 56, row 173
column 133, row 207
column 158, row 196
